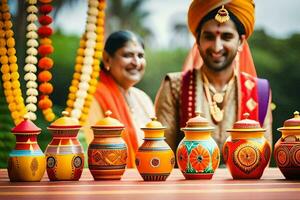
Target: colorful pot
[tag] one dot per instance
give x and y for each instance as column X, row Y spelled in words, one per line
column 107, row 153
column 26, row 162
column 65, row 156
column 154, row 159
column 246, row 152
column 287, row 148
column 198, row 155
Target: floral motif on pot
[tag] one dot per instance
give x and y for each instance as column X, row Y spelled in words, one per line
column 199, row 158
column 246, row 157
column 215, row 158
column 295, row 152
column 182, row 157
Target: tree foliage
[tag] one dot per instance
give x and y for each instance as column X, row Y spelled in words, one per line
column 278, row 60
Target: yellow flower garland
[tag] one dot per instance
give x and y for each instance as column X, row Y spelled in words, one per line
column 9, row 66
column 79, row 88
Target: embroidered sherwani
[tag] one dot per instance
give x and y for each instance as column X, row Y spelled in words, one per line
column 168, row 105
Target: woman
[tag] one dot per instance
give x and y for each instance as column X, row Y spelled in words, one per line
column 122, row 67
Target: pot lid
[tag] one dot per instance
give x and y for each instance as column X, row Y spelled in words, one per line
column 246, row 125
column 293, row 123
column 154, row 125
column 108, row 121
column 26, row 126
column 198, row 123
column 65, row 122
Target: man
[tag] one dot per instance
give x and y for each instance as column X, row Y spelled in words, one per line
column 219, row 89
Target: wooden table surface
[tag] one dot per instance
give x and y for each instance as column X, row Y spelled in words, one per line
column 271, row 186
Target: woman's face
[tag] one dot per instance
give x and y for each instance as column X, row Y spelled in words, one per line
column 127, row 65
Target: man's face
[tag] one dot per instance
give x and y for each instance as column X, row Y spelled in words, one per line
column 218, row 44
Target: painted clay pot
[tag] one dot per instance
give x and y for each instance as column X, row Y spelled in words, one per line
column 287, row 148
column 107, row 152
column 26, row 161
column 65, row 156
column 154, row 159
column 246, row 151
column 198, row 155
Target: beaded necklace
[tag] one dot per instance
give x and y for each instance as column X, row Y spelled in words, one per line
column 218, row 100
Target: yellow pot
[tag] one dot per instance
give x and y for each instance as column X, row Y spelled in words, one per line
column 154, row 159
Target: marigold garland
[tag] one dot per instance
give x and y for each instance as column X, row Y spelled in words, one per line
column 87, row 64
column 45, row 63
column 9, row 68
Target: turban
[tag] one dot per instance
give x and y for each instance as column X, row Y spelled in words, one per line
column 243, row 10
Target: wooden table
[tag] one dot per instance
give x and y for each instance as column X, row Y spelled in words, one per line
column 271, row 186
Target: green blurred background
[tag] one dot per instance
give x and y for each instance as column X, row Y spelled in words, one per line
column 276, row 59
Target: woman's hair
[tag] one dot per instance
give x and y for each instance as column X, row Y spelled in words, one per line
column 117, row 40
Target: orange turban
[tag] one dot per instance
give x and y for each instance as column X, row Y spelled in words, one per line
column 242, row 9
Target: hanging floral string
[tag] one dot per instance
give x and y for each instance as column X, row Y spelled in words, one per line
column 31, row 60
column 45, row 62
column 87, row 64
column 9, row 67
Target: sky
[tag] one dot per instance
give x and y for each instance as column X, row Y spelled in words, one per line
column 279, row 18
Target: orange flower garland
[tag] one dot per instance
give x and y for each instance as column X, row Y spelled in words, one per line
column 9, row 67
column 87, row 64
column 45, row 63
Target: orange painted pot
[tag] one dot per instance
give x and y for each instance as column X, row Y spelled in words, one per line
column 65, row 156
column 246, row 152
column 287, row 148
column 107, row 153
column 154, row 159
column 198, row 155
column 26, row 161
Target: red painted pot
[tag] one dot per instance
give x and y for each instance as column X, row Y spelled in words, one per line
column 246, row 152
column 287, row 148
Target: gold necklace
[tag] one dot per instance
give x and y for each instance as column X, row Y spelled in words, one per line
column 218, row 98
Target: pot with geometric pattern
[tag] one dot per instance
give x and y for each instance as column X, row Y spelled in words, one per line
column 287, row 148
column 154, row 158
column 107, row 153
column 65, row 156
column 246, row 152
column 198, row 155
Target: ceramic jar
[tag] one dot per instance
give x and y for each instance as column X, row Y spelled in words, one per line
column 287, row 148
column 154, row 159
column 107, row 152
column 65, row 156
column 246, row 151
column 198, row 155
column 26, row 161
